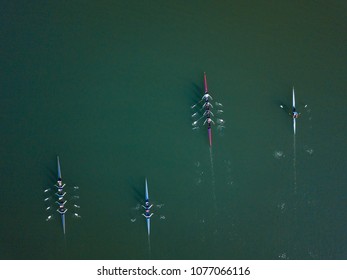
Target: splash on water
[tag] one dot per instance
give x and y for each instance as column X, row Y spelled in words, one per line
column 278, row 154
column 281, row 206
column 133, row 220
column 220, row 127
column 76, row 215
column 198, row 172
column 198, row 181
column 162, row 217
column 312, row 254
column 228, row 163
column 283, row 256
column 137, row 207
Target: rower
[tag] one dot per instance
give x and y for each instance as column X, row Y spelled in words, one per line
column 60, row 193
column 147, row 215
column 62, row 209
column 209, row 121
column 61, row 201
column 60, row 184
column 147, row 206
column 295, row 113
column 207, row 96
column 208, row 113
column 207, row 105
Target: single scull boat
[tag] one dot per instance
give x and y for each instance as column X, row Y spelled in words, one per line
column 147, row 207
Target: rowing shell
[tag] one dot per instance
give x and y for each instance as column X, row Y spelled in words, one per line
column 62, row 214
column 148, row 219
column 294, row 119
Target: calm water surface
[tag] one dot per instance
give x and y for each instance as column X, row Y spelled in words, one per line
column 109, row 86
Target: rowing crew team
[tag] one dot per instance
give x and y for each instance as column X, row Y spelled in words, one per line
column 207, row 106
column 61, row 202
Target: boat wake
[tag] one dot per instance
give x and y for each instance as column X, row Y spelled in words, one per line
column 213, row 181
column 212, row 167
column 149, row 247
column 220, row 121
column 294, row 163
column 279, row 154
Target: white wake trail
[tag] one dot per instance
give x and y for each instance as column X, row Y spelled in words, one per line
column 294, row 163
column 213, row 181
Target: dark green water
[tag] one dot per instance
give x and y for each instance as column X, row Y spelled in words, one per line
column 108, row 86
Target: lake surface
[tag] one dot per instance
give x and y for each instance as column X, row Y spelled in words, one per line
column 108, row 86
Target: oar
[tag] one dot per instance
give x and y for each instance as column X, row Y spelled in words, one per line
column 195, row 104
